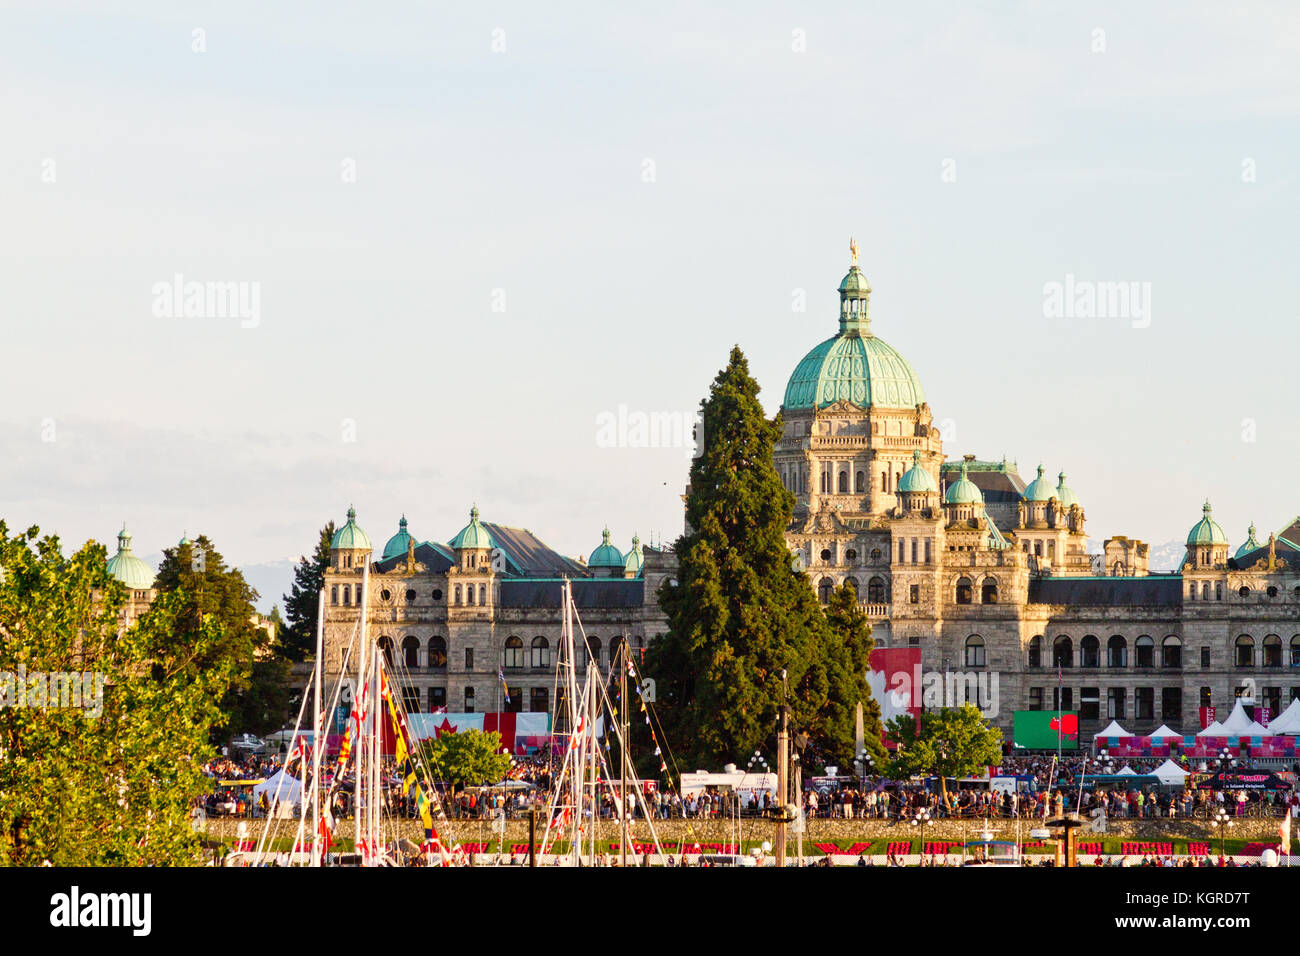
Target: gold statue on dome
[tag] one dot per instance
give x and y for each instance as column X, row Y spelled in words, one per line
column 853, row 249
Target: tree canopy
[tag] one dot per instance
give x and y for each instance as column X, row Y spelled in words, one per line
column 109, row 782
column 467, row 758
column 301, row 603
column 740, row 612
column 951, row 742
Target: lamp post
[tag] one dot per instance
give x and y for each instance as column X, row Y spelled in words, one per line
column 1221, row 822
column 921, row 820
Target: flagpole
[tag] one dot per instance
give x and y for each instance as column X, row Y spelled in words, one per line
column 316, row 737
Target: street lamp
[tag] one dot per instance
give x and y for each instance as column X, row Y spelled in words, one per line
column 1221, row 822
column 921, row 820
column 1226, row 759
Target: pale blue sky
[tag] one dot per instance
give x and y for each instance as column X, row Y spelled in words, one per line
column 522, row 171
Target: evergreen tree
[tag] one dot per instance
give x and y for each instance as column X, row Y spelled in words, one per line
column 111, row 782
column 301, row 605
column 256, row 700
column 739, row 611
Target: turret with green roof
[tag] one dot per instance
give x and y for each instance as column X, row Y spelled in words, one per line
column 1040, row 489
column 917, row 479
column 635, row 561
column 1207, row 531
column 963, row 491
column 606, row 556
column 473, row 535
column 397, row 545
column 126, row 567
column 350, row 537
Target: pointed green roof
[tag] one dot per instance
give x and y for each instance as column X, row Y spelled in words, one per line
column 606, row 556
column 963, row 491
column 397, row 544
column 350, row 537
column 473, row 535
column 916, row 478
column 1207, row 530
column 127, row 568
column 1040, row 489
column 635, row 560
column 1063, row 493
column 1250, row 545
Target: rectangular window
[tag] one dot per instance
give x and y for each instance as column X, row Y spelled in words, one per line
column 1089, row 703
column 1205, row 657
column 411, row 700
column 1062, row 698
column 437, row 699
column 914, row 594
column 1273, row 701
column 469, row 658
column 1171, row 704
column 516, row 704
column 1144, row 700
column 469, row 700
column 539, row 700
column 1115, row 703
column 1035, row 698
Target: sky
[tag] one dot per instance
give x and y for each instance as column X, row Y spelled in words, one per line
column 466, row 237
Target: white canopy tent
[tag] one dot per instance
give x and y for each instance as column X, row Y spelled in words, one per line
column 279, row 786
column 1127, row 771
column 1164, row 731
column 1287, row 722
column 1215, row 729
column 1238, row 722
column 1113, row 729
column 1170, row 772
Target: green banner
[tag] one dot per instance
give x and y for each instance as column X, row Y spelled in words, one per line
column 1043, row 729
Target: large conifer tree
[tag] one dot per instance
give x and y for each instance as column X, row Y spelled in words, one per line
column 739, row 612
column 301, row 603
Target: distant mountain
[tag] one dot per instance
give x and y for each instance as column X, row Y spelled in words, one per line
column 272, row 579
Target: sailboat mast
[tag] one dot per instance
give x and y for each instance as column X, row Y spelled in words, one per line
column 622, row 750
column 316, row 742
column 363, row 661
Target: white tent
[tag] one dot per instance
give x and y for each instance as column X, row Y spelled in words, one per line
column 279, row 786
column 1238, row 722
column 1127, row 771
column 1170, row 772
column 1215, row 729
column 1113, row 729
column 1254, row 729
column 1164, row 731
column 1287, row 722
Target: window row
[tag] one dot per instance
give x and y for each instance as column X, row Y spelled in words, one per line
column 1144, row 702
column 965, row 592
column 1117, row 655
column 351, row 594
column 538, row 699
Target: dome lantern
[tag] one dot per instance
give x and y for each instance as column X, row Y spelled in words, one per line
column 606, row 556
column 127, row 568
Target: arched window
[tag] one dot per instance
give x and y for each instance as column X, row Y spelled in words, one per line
column 334, row 594
column 1117, row 652
column 876, row 591
column 615, row 645
column 541, row 653
column 1036, row 651
column 1090, row 651
column 1145, row 648
column 514, row 653
column 457, row 595
column 852, row 584
column 1295, row 651
column 1244, row 651
column 1272, row 651
column 1191, row 591
column 386, row 645
column 482, row 594
column 989, row 591
column 347, row 594
column 1038, row 549
column 844, row 482
column 1205, row 591
column 975, row 651
column 824, row 588
column 411, row 652
column 438, row 653
column 593, row 651
column 963, row 591
column 1171, row 652
column 861, row 482
column 1063, row 652
column 469, row 594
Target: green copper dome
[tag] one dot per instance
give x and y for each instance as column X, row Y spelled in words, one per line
column 1040, row 489
column 635, row 560
column 854, row 366
column 917, row 479
column 350, row 537
column 185, row 539
column 1064, row 495
column 963, row 491
column 1250, row 545
column 606, row 556
column 127, row 568
column 473, row 535
column 1207, row 530
column 397, row 544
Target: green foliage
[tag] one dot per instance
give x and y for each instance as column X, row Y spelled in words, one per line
column 467, row 758
column 952, row 742
column 301, row 604
column 739, row 613
column 109, row 783
column 257, row 698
